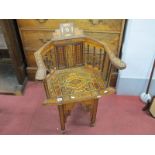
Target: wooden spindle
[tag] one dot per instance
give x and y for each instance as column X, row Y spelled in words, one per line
column 100, row 58
column 103, row 60
column 94, row 51
column 85, row 53
column 47, row 62
column 88, row 53
column 108, row 69
column 51, row 57
column 76, row 53
column 109, row 74
column 64, row 56
column 81, row 53
column 57, row 56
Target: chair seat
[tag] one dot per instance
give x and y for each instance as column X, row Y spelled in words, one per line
column 75, row 84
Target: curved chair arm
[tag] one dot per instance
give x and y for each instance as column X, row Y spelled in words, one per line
column 41, row 68
column 118, row 63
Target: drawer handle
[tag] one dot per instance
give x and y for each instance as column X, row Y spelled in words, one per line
column 95, row 21
column 41, row 20
column 44, row 40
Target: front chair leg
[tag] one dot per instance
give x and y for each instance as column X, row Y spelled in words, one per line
column 62, row 117
column 93, row 112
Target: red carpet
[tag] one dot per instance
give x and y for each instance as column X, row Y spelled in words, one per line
column 116, row 115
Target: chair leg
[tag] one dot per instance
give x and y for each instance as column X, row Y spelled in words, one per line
column 93, row 112
column 62, row 117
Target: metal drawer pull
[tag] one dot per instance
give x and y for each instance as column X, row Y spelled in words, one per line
column 96, row 21
column 44, row 40
column 41, row 20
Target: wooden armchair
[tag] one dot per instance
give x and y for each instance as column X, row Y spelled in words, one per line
column 75, row 69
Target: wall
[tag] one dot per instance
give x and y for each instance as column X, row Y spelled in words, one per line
column 138, row 52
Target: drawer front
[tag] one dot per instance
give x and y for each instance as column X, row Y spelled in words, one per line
column 84, row 24
column 34, row 39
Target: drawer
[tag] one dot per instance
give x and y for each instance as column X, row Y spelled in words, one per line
column 97, row 25
column 30, row 58
column 34, row 39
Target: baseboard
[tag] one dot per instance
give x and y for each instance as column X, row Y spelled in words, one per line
column 133, row 86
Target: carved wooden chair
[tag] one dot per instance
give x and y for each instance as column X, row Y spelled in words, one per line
column 75, row 69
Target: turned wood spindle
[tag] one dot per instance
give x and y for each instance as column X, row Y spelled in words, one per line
column 103, row 60
column 100, row 60
column 94, row 51
column 88, row 53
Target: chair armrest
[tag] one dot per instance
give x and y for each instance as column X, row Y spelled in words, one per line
column 41, row 70
column 118, row 63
